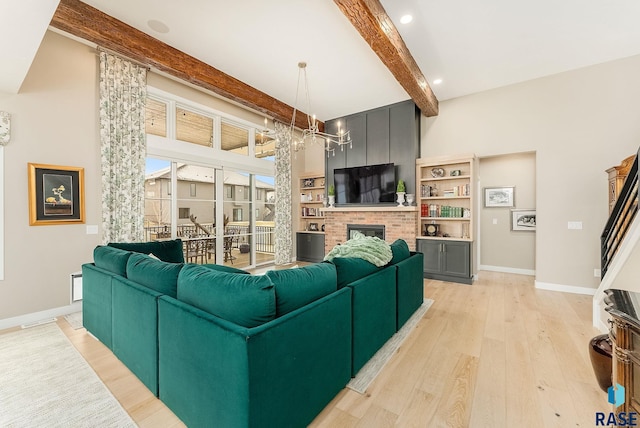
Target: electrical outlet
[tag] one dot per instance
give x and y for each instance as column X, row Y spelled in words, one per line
column 495, row 221
column 577, row 225
column 596, row 273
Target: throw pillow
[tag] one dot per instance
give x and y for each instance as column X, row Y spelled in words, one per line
column 111, row 259
column 167, row 251
column 154, row 274
column 350, row 269
column 400, row 251
column 245, row 300
column 298, row 287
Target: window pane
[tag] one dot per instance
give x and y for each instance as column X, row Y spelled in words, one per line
column 265, row 146
column 155, row 118
column 157, row 202
column 235, row 139
column 265, row 210
column 193, row 127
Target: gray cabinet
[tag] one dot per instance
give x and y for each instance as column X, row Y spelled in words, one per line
column 446, row 260
column 309, row 246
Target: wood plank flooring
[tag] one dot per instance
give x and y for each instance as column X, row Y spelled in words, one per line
column 498, row 353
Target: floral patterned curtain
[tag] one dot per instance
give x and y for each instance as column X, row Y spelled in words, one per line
column 283, row 230
column 123, row 91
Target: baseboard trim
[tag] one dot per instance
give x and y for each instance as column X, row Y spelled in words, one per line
column 565, row 288
column 39, row 316
column 530, row 272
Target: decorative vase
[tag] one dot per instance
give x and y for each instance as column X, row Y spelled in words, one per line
column 400, row 198
column 410, row 199
column 332, row 200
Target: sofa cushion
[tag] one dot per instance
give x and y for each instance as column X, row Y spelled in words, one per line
column 111, row 259
column 223, row 268
column 167, row 251
column 246, row 300
column 154, row 274
column 351, row 269
column 298, row 287
column 400, row 251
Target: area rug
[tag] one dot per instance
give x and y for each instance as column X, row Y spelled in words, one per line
column 374, row 366
column 74, row 320
column 45, row 382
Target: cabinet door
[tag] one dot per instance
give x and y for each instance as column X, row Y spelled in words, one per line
column 432, row 251
column 456, row 260
column 309, row 247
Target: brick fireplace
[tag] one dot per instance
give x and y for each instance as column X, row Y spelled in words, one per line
column 399, row 222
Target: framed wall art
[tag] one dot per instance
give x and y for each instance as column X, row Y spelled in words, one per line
column 56, row 194
column 499, row 197
column 523, row 220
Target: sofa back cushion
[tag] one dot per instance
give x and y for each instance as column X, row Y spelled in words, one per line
column 350, row 269
column 154, row 274
column 400, row 251
column 167, row 251
column 111, row 259
column 298, row 287
column 245, row 300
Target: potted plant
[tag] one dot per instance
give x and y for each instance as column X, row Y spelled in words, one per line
column 332, row 195
column 400, row 191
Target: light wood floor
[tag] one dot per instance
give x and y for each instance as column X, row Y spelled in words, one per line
column 498, row 353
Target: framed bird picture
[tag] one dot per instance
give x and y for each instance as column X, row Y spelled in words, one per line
column 56, row 194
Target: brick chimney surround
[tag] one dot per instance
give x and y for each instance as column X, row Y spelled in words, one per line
column 400, row 223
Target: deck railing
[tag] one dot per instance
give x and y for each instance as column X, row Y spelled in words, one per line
column 620, row 219
column 264, row 236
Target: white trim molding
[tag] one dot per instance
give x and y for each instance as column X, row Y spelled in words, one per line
column 530, row 272
column 38, row 316
column 565, row 288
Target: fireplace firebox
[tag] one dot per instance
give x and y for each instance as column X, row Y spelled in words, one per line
column 376, row 230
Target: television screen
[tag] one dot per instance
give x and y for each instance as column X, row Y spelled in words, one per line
column 372, row 184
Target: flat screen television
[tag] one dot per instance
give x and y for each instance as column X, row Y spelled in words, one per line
column 371, row 184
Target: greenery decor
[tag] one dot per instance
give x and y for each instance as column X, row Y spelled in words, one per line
column 401, row 188
column 332, row 190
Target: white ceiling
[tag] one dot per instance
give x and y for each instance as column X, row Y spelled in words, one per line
column 473, row 46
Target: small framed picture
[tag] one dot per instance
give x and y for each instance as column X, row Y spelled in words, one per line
column 308, row 182
column 523, row 220
column 455, row 173
column 313, row 227
column 499, row 197
column 56, row 194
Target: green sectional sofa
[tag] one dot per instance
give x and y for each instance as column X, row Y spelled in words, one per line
column 223, row 348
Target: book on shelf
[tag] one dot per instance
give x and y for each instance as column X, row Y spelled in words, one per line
column 446, row 211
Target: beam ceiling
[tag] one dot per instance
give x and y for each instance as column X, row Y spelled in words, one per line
column 375, row 26
column 88, row 23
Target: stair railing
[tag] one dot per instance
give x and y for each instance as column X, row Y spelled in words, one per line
column 620, row 219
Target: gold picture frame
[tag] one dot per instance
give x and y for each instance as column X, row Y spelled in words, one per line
column 56, row 194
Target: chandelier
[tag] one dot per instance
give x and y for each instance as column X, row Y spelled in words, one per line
column 312, row 134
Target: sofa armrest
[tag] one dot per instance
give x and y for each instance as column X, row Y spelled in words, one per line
column 281, row 373
column 410, row 288
column 97, row 302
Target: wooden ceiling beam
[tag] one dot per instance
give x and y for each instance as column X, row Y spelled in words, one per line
column 88, row 23
column 375, row 26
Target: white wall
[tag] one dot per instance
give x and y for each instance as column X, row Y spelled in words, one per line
column 579, row 124
column 54, row 121
column 501, row 248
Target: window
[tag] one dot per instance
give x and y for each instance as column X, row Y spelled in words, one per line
column 192, row 190
column 155, row 122
column 194, row 128
column 245, row 190
column 235, row 139
column 237, row 214
column 184, row 212
column 258, row 194
column 228, row 191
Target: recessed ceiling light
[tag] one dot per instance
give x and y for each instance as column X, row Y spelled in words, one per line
column 405, row 19
column 158, row 26
column 437, row 81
